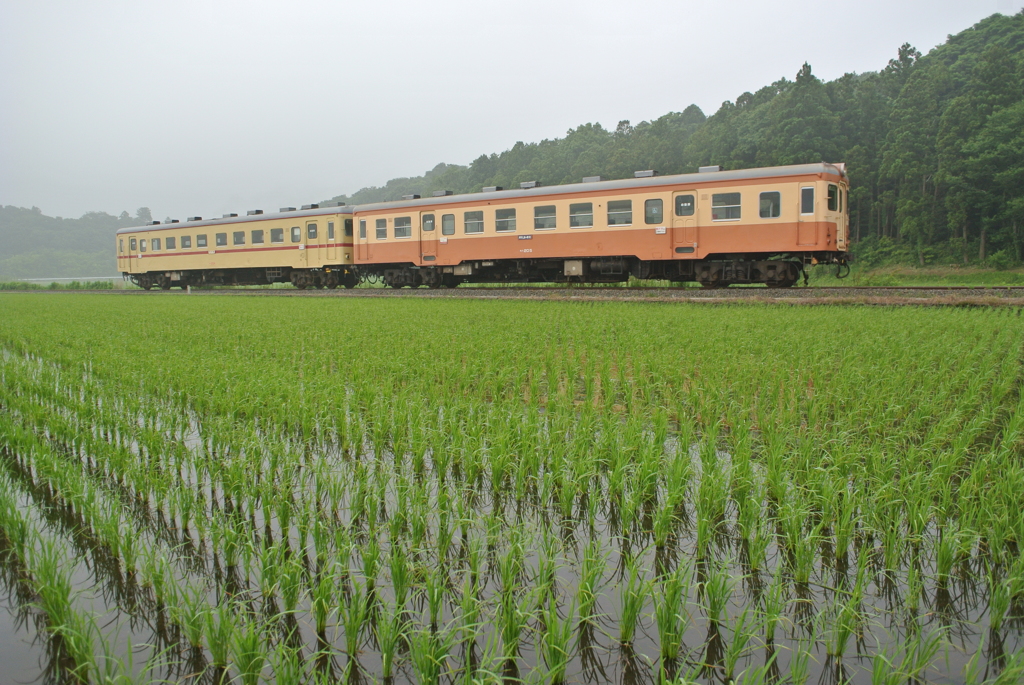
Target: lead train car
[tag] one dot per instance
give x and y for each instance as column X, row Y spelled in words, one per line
column 311, row 247
column 715, row 227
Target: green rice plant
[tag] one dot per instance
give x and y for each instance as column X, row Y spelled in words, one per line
column 632, row 599
column 355, row 611
column 428, row 652
column 592, row 569
column 433, row 591
column 191, row 614
column 401, row 575
column 323, row 598
column 671, row 595
column 742, row 633
column 390, row 629
column 512, row 616
column 286, row 665
column 716, row 591
column 556, row 638
column 220, row 628
column 248, row 652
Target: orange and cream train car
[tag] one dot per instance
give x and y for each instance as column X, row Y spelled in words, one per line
column 714, row 227
column 311, row 247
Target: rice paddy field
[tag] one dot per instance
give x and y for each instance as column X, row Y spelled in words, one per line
column 291, row 490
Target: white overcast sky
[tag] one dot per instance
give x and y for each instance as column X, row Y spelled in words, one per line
column 201, row 107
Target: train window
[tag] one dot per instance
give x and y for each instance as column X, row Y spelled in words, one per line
column 654, row 211
column 403, row 226
column 133, row 244
column 382, row 229
column 348, row 228
column 156, row 244
column 277, row 235
column 142, row 245
column 841, row 199
column 296, row 234
column 544, row 217
column 725, row 206
column 833, row 197
column 504, row 220
column 311, row 231
column 807, row 200
column 201, row 240
column 581, row 215
column 171, row 243
column 330, row 230
column 474, row 222
column 448, row 224
column 238, row 238
column 771, row 205
column 120, row 245
column 186, row 241
column 257, row 236
column 620, row 212
column 685, row 205
column 362, row 229
column 428, row 223
column 221, row 239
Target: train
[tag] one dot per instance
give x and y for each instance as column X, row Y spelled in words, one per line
column 714, row 227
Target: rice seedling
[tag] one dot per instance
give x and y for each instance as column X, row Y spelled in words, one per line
column 632, row 600
column 556, row 640
column 248, row 653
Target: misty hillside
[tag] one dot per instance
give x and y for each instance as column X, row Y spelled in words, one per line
column 934, row 145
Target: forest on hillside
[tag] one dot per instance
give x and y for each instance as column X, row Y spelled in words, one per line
column 934, row 145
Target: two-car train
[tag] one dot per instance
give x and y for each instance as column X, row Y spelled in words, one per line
column 714, row 227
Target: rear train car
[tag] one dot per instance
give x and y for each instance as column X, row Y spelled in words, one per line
column 715, row 227
column 310, row 247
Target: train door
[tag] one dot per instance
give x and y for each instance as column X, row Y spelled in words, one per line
column 312, row 236
column 331, row 248
column 428, row 237
column 362, row 250
column 297, row 236
column 133, row 245
column 807, row 227
column 684, row 223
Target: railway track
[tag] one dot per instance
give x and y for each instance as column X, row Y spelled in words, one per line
column 872, row 295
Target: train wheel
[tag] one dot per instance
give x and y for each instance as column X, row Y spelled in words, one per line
column 349, row 285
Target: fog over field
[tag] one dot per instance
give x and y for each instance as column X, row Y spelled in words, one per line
column 198, row 108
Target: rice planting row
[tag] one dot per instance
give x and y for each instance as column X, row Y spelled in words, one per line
column 249, row 490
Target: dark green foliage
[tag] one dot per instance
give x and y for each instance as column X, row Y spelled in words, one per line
column 933, row 143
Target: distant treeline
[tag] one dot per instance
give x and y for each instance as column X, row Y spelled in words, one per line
column 33, row 245
column 934, row 146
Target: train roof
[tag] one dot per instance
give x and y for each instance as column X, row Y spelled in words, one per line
column 617, row 184
column 322, row 210
column 568, row 188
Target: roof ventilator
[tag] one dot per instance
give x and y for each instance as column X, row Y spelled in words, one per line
column 313, row 206
column 228, row 216
column 442, row 193
column 195, row 218
column 591, row 179
column 526, row 185
column 282, row 209
column 649, row 173
column 414, row 196
column 254, row 212
column 152, row 223
column 707, row 169
column 491, row 189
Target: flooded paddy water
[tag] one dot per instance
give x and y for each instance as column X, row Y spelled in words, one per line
column 299, row 491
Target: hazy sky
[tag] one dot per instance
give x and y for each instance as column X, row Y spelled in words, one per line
column 205, row 107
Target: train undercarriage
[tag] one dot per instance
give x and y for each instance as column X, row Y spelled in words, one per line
column 774, row 271
column 327, row 277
